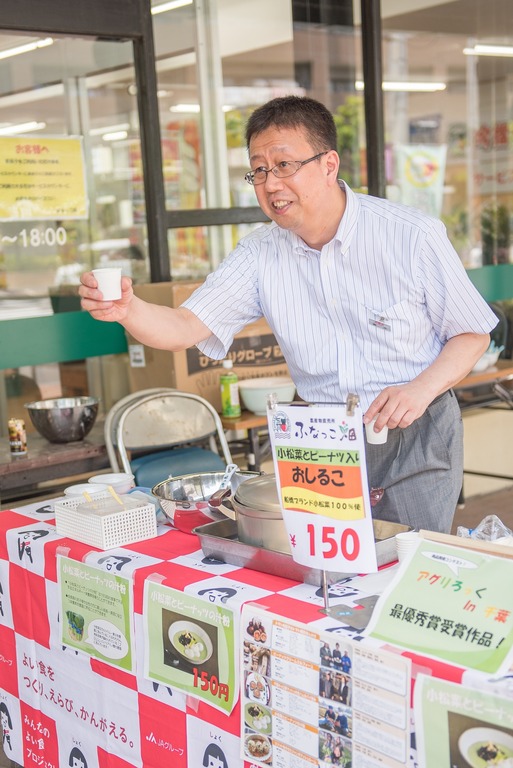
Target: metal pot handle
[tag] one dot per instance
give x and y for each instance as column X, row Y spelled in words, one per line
column 219, row 496
column 216, row 501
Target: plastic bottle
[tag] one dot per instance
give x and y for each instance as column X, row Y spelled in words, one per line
column 230, row 403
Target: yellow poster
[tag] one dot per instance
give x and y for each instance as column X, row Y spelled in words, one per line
column 42, row 178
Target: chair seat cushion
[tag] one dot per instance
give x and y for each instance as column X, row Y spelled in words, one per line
column 152, row 469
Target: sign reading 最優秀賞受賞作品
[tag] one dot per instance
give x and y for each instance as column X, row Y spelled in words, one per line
column 449, row 602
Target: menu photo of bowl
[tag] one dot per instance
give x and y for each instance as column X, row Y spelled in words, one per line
column 257, row 688
column 258, row 718
column 258, row 747
column 189, row 644
column 477, row 744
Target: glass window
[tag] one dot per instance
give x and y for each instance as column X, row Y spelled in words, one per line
column 448, row 117
column 72, row 192
column 226, row 60
column 68, row 127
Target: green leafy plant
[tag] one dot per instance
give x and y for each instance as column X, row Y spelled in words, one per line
column 495, row 234
column 348, row 119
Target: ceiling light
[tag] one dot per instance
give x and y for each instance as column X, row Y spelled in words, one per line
column 109, row 129
column 185, row 108
column 25, row 48
column 170, row 6
column 22, row 128
column 115, row 136
column 196, row 108
column 410, row 86
column 489, row 50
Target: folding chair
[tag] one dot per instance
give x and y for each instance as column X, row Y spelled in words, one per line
column 171, row 429
column 112, row 419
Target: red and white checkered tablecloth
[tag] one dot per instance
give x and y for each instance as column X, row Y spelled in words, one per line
column 62, row 707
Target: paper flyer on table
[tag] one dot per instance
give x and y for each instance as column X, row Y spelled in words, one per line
column 473, row 727
column 96, row 612
column 190, row 644
column 313, row 698
column 319, row 458
column 449, row 603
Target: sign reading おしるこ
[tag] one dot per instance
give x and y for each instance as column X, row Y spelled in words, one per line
column 319, row 457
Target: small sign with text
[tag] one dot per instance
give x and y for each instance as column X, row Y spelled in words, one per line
column 319, row 457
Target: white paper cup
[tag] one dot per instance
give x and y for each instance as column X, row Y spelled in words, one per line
column 109, row 282
column 406, row 542
column 376, row 438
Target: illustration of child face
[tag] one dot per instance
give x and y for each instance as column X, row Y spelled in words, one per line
column 217, row 594
column 4, row 721
column 76, row 762
column 33, row 535
column 215, row 762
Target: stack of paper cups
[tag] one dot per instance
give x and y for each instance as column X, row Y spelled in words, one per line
column 406, row 542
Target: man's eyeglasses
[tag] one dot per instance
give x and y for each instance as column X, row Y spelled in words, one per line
column 281, row 171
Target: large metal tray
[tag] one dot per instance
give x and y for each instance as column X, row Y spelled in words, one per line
column 220, row 540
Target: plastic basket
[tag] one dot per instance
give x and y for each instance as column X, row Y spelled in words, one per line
column 101, row 528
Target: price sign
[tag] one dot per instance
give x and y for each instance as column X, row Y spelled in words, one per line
column 319, row 458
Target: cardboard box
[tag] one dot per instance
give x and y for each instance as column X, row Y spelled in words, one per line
column 254, row 352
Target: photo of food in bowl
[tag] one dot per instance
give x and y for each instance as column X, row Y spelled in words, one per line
column 258, row 718
column 257, row 688
column 475, row 743
column 487, row 747
column 191, row 641
column 258, row 747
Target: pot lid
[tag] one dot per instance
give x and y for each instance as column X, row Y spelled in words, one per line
column 259, row 493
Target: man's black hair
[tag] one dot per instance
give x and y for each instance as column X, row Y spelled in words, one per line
column 295, row 112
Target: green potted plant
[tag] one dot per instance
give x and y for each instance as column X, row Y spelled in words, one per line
column 495, row 234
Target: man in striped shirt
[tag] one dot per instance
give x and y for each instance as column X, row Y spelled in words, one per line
column 363, row 295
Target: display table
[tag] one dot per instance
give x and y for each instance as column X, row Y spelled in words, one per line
column 503, row 369
column 255, row 427
column 59, row 699
column 476, row 389
column 92, row 695
column 50, row 461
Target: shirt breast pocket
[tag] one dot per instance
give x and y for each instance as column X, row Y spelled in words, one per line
column 389, row 326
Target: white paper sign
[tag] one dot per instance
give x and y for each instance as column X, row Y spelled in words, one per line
column 319, row 458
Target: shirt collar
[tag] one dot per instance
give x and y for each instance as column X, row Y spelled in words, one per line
column 345, row 229
column 347, row 225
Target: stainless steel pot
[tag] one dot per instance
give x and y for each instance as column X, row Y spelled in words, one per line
column 256, row 508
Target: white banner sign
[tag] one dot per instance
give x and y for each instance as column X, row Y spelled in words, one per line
column 319, row 457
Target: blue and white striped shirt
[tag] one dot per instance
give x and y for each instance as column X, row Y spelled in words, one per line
column 372, row 309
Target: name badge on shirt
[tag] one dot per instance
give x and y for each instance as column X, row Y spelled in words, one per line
column 379, row 320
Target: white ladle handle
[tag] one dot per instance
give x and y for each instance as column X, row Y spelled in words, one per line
column 228, row 473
